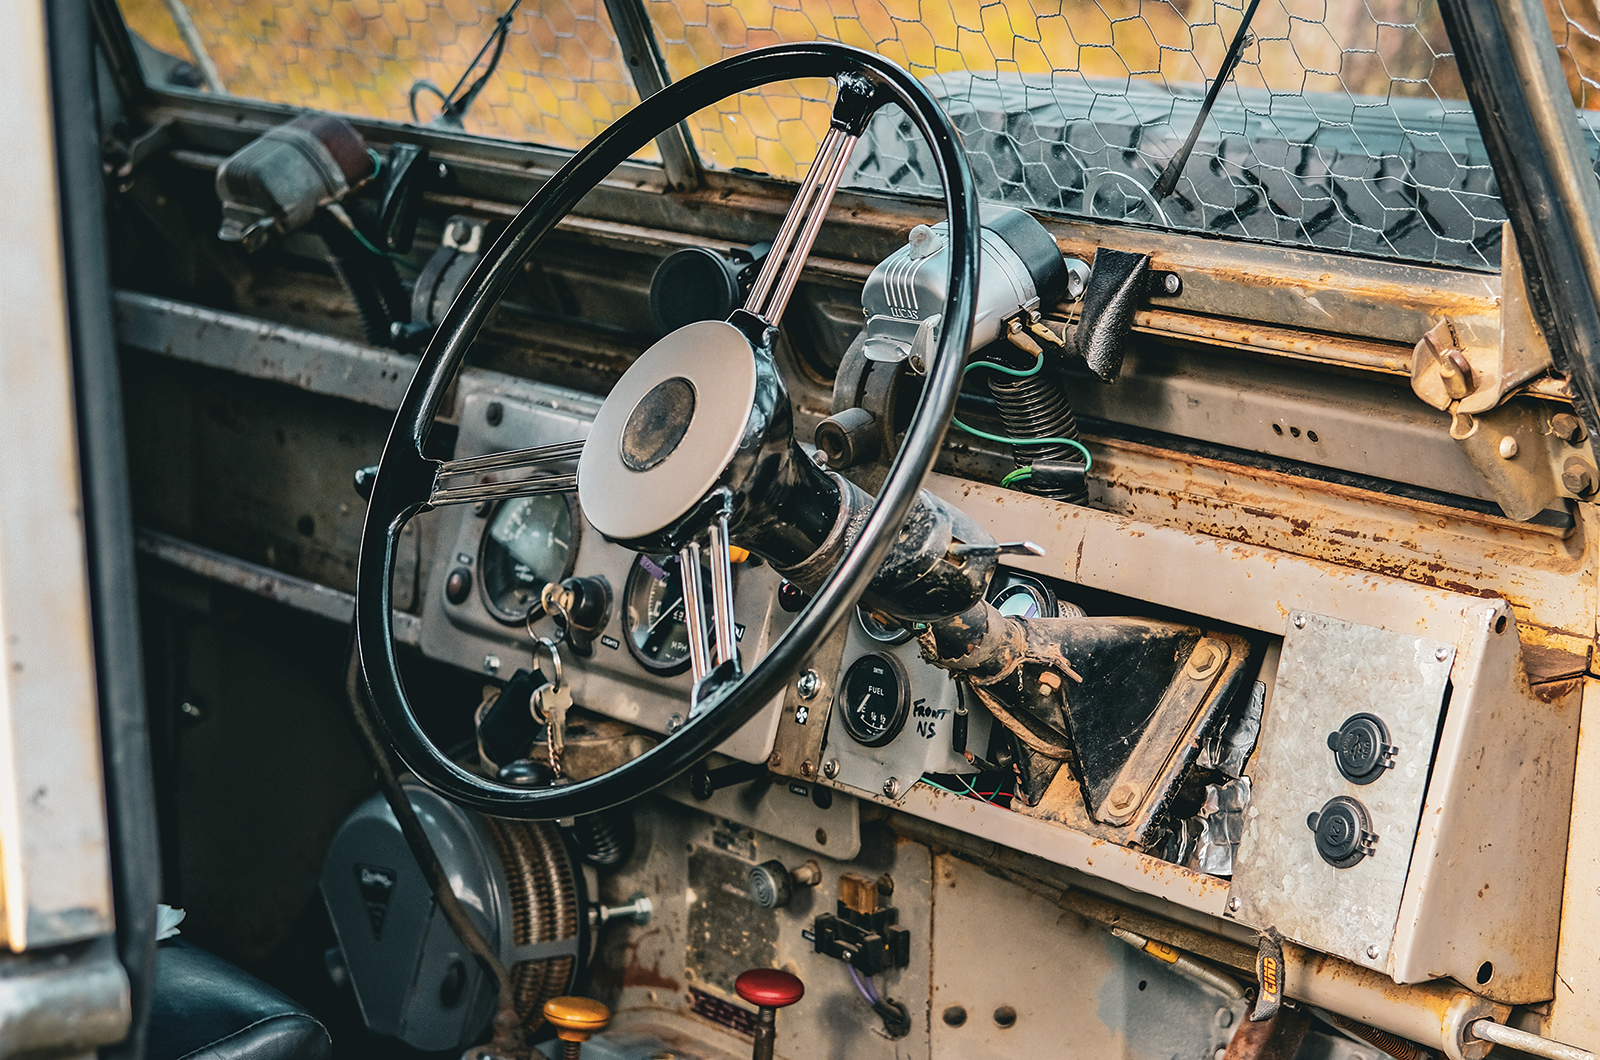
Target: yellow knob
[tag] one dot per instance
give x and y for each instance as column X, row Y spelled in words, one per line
column 576, row 1018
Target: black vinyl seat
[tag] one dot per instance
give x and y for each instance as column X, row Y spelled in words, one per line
column 203, row 1008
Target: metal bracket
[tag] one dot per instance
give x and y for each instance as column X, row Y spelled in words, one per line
column 1452, row 370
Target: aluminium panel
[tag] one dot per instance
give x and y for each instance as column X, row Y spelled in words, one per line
column 1330, row 670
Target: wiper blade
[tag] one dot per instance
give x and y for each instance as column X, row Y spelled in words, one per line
column 1168, row 180
column 455, row 109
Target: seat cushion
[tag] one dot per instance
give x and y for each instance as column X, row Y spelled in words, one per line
column 203, row 1008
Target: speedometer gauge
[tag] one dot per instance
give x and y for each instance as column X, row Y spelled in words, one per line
column 872, row 700
column 529, row 541
column 653, row 620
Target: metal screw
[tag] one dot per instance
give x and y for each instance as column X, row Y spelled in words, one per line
column 191, row 711
column 444, row 171
column 808, row 684
column 806, row 768
column 1373, row 951
column 830, row 768
column 1172, row 283
column 774, row 760
column 674, row 723
column 1049, row 681
column 891, row 788
column 1577, row 477
column 494, row 413
column 1508, row 447
column 491, row 664
column 1299, row 620
column 1122, row 798
column 1234, row 905
column 1441, row 654
column 1567, row 427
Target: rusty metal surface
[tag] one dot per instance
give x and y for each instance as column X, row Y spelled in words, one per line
column 1548, row 578
column 1280, row 879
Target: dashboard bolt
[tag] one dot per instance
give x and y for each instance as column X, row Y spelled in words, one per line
column 491, row 664
column 808, row 684
column 1299, row 621
column 774, row 760
column 1172, row 283
column 1122, row 798
column 1234, row 905
column 806, row 768
column 830, row 768
column 1508, row 447
column 1373, row 951
column 891, row 788
column 674, row 723
column 1567, row 427
column 1578, row 477
column 1441, row 654
column 1049, row 682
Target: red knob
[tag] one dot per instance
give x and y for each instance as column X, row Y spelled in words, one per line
column 769, row 988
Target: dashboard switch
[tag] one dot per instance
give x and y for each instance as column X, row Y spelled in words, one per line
column 458, row 585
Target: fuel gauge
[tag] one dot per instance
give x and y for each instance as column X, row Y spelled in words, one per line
column 872, row 700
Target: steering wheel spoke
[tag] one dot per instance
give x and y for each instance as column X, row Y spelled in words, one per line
column 514, row 473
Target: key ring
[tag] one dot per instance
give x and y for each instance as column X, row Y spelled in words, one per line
column 557, row 679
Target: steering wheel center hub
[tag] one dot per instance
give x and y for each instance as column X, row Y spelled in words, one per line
column 657, row 424
column 668, row 430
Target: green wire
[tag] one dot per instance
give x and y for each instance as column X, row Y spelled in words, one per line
column 1020, row 373
column 398, row 259
column 1088, row 461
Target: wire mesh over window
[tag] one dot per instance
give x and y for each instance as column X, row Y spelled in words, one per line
column 1345, row 125
column 560, row 81
column 1576, row 24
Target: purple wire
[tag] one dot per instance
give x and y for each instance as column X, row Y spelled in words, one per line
column 863, row 985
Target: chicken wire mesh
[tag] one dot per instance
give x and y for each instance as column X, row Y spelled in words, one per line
column 1344, row 126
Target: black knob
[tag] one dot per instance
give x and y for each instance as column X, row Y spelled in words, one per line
column 458, row 585
column 848, row 438
column 703, row 782
column 1343, row 832
column 362, row 480
column 1362, row 749
column 791, row 597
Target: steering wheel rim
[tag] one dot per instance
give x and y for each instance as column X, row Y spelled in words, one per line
column 405, row 476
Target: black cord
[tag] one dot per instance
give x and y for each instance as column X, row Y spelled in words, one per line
column 1168, row 180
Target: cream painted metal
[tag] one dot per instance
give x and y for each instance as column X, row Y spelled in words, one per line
column 1499, row 799
column 1575, row 1012
column 54, row 859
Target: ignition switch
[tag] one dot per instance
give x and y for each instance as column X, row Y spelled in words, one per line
column 580, row 606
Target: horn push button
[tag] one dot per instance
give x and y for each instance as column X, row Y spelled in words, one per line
column 657, row 424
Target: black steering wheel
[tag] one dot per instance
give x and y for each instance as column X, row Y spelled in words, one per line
column 407, row 482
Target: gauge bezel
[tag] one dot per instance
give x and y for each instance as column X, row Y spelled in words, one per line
column 635, row 570
column 890, row 637
column 1050, row 604
column 902, row 712
column 536, row 609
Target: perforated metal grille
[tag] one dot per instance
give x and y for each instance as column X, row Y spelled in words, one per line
column 561, row 80
column 1344, row 126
